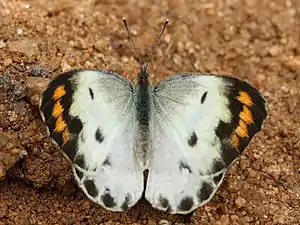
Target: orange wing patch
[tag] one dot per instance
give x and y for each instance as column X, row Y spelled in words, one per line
column 57, row 109
column 235, row 141
column 59, row 92
column 245, row 119
column 246, row 115
column 242, row 129
column 245, row 98
column 65, row 135
column 60, row 124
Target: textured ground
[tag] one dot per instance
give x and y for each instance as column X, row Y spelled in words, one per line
column 257, row 40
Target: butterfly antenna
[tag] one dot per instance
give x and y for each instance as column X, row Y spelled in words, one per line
column 144, row 67
column 137, row 53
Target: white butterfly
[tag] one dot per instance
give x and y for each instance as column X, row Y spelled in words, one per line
column 185, row 130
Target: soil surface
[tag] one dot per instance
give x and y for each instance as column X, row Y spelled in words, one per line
column 256, row 40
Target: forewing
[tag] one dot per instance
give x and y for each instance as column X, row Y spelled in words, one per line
column 90, row 114
column 199, row 125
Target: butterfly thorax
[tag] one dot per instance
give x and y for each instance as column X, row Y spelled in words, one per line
column 143, row 142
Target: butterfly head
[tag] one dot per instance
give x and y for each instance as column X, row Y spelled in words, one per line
column 143, row 75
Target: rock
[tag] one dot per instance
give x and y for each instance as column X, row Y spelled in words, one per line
column 2, row 44
column 5, row 82
column 11, row 152
column 12, row 88
column 240, row 202
column 19, row 90
column 151, row 222
column 26, row 46
column 39, row 71
column 292, row 63
column 35, row 87
column 274, row 171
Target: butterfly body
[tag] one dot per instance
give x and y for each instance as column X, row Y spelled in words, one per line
column 143, row 103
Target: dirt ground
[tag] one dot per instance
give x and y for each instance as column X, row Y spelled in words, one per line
column 257, row 40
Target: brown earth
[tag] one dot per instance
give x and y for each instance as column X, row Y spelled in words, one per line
column 257, row 40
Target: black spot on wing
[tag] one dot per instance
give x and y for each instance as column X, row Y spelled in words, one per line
column 79, row 160
column 79, row 173
column 91, row 188
column 108, row 200
column 186, row 204
column 184, row 166
column 98, row 136
column 205, row 192
column 75, row 125
column 107, row 162
column 203, row 98
column 218, row 178
column 70, row 148
column 217, row 165
column 164, row 203
column 192, row 141
column 126, row 202
column 224, row 131
column 91, row 93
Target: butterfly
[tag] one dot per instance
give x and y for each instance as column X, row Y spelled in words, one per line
column 185, row 131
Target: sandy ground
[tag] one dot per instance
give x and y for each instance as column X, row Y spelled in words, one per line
column 257, row 40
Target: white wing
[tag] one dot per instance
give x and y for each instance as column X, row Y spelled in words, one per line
column 199, row 125
column 91, row 114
